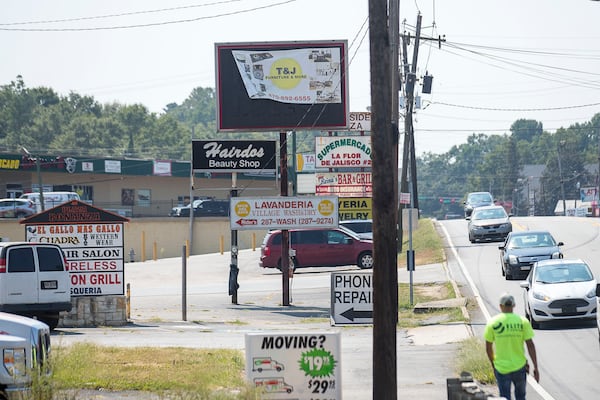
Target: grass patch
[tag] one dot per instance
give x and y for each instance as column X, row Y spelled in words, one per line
column 407, row 318
column 209, row 373
column 426, row 243
column 472, row 357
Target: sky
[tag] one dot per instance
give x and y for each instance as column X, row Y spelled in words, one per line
column 500, row 61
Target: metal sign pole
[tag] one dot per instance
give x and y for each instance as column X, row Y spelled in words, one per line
column 233, row 266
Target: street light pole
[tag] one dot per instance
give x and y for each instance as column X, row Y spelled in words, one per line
column 562, row 182
column 39, row 176
column 38, row 168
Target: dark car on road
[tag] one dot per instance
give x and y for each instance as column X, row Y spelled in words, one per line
column 318, row 248
column 477, row 199
column 203, row 208
column 522, row 249
column 489, row 223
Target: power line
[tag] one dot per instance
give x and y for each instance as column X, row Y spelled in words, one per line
column 117, row 15
column 146, row 25
column 515, row 109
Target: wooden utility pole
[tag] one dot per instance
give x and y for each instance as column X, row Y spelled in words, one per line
column 409, row 160
column 384, row 140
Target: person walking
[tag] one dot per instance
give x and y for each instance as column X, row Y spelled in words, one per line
column 506, row 335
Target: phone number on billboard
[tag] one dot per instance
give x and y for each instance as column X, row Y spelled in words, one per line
column 297, row 221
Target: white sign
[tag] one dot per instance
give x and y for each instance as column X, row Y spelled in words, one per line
column 304, row 366
column 112, row 166
column 344, row 184
column 351, row 298
column 305, row 162
column 283, row 212
column 360, row 121
column 161, row 168
column 298, row 76
column 343, row 152
column 93, row 252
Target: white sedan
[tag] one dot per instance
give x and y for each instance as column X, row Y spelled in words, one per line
column 559, row 289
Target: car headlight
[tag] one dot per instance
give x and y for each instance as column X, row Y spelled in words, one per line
column 557, row 254
column 540, row 296
column 512, row 259
column 591, row 294
column 14, row 361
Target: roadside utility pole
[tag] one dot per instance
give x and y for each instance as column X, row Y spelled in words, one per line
column 384, row 141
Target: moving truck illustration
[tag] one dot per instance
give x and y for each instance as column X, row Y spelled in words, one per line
column 265, row 363
column 273, row 385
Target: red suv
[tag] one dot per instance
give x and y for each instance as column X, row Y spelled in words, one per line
column 318, row 248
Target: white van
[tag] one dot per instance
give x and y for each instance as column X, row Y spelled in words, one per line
column 25, row 344
column 51, row 199
column 34, row 281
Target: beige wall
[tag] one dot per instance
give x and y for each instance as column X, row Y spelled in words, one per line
column 165, row 237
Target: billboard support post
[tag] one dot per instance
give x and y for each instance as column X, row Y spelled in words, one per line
column 285, row 234
column 233, row 267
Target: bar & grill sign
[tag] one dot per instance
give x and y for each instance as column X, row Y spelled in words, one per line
column 234, row 155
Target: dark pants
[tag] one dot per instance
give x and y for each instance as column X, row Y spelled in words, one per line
column 518, row 378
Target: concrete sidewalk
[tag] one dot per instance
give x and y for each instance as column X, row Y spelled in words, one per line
column 425, row 355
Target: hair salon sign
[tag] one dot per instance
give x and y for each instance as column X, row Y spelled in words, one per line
column 234, row 155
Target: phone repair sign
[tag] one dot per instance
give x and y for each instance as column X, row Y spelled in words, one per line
column 299, row 365
column 352, row 298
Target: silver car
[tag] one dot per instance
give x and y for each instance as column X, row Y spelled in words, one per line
column 489, row 223
column 16, row 208
column 559, row 289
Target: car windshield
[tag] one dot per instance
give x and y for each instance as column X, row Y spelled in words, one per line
column 533, row 240
column 563, row 273
column 480, row 198
column 490, row 214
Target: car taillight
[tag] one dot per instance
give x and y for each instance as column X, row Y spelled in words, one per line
column 266, row 251
column 2, row 265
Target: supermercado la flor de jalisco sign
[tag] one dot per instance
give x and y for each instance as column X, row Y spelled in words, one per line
column 343, row 152
column 284, row 212
column 92, row 241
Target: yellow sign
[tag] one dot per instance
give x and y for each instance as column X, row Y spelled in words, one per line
column 9, row 164
column 355, row 208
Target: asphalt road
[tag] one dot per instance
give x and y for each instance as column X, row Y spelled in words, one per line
column 425, row 356
column 568, row 350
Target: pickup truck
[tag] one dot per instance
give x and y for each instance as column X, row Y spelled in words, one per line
column 25, row 345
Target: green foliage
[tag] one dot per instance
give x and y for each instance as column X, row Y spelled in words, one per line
column 493, row 163
column 472, row 358
column 178, row 373
column 77, row 125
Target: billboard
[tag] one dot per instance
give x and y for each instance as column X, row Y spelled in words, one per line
column 280, row 86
